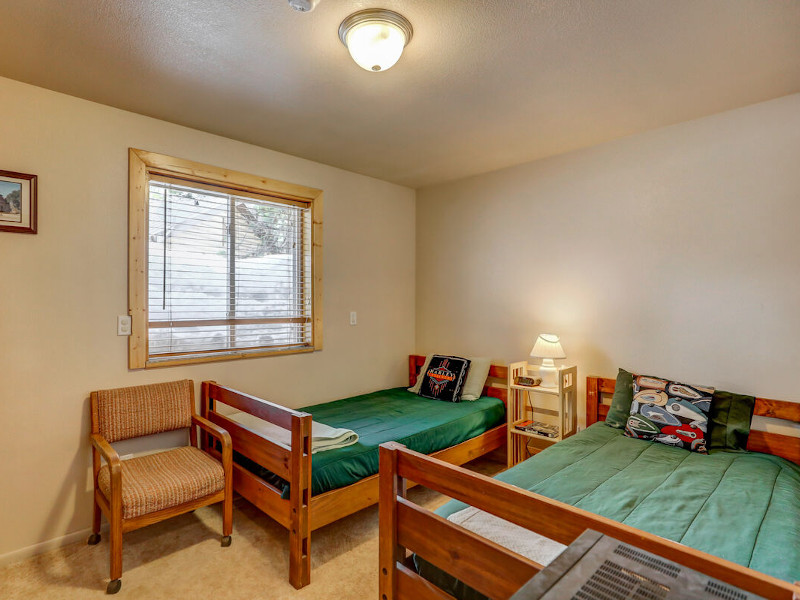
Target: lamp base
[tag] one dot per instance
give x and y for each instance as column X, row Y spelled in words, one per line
column 549, row 374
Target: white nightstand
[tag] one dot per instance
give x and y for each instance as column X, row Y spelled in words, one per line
column 554, row 406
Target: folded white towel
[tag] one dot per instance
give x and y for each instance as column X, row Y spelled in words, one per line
column 517, row 539
column 323, row 437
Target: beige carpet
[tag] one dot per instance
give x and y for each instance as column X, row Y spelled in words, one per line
column 182, row 558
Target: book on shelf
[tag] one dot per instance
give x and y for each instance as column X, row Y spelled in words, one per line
column 538, row 428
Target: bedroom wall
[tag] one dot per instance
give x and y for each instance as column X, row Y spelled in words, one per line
column 674, row 252
column 63, row 288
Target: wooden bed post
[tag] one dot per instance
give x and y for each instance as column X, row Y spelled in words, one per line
column 412, row 370
column 592, row 399
column 390, row 552
column 299, row 500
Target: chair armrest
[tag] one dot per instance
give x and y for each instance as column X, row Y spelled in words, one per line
column 218, row 432
column 105, row 449
column 225, row 439
column 114, row 466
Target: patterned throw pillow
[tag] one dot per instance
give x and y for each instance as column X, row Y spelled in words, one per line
column 444, row 378
column 675, row 414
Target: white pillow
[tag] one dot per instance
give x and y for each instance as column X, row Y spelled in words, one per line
column 476, row 377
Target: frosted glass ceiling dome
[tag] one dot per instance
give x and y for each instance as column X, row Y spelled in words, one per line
column 375, row 37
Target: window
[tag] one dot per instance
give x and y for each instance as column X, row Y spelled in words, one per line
column 222, row 264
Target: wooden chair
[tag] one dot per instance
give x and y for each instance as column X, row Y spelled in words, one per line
column 139, row 491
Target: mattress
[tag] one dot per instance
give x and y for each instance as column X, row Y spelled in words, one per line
column 395, row 414
column 740, row 506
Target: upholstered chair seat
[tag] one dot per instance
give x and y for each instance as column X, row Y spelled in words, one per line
column 165, row 479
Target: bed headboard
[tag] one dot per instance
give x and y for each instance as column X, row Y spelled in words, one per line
column 416, row 361
column 786, row 446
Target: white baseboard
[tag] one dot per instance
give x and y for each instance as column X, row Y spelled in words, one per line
column 23, row 553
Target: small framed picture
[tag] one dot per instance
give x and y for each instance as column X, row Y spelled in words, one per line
column 17, row 202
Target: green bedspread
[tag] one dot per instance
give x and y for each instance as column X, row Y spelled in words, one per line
column 741, row 506
column 396, row 414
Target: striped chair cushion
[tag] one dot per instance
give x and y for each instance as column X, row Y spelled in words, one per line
column 157, row 481
column 131, row 412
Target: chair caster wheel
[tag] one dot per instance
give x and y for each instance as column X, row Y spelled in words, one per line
column 226, row 541
column 113, row 586
column 93, row 539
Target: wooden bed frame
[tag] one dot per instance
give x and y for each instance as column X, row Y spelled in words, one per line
column 302, row 513
column 497, row 572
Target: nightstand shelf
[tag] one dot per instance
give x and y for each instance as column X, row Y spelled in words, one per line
column 554, row 406
column 536, row 388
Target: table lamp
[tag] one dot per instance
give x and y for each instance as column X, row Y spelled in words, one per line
column 548, row 347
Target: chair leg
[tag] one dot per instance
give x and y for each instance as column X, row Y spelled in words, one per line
column 116, row 556
column 227, row 517
column 95, row 537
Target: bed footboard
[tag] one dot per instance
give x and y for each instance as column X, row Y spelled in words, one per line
column 485, row 566
column 290, row 463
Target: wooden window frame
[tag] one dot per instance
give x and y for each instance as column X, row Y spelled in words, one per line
column 142, row 166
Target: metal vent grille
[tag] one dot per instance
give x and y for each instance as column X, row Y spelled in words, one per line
column 599, row 567
column 720, row 590
column 613, row 582
column 648, row 560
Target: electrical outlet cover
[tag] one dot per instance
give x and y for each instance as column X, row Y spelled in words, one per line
column 123, row 325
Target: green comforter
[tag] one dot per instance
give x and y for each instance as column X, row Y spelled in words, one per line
column 744, row 507
column 396, row 414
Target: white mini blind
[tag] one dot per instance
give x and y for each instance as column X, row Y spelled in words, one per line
column 228, row 271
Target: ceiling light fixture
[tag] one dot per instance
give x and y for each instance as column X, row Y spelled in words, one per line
column 375, row 37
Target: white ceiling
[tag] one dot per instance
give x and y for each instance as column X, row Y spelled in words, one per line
column 484, row 84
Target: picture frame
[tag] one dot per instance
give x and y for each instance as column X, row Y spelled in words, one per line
column 18, row 212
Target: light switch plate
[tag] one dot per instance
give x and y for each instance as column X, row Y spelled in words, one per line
column 353, row 318
column 123, row 325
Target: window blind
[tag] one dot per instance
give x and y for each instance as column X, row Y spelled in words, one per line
column 228, row 271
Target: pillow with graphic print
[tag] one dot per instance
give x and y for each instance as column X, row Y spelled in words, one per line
column 476, row 378
column 671, row 413
column 444, row 378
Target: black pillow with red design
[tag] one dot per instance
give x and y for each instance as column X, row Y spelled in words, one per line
column 444, row 378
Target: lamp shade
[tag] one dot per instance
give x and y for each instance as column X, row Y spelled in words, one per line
column 548, row 346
